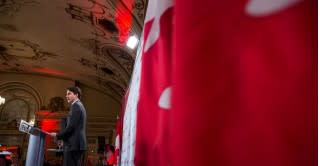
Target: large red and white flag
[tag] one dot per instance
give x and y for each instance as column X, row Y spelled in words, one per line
column 242, row 76
column 119, row 129
column 244, row 83
column 150, row 88
column 155, row 86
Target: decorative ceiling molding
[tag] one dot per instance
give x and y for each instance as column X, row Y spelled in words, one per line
column 95, row 14
column 9, row 27
column 81, row 40
column 14, row 49
column 10, row 8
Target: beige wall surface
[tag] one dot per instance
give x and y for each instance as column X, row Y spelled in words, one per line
column 97, row 103
column 47, row 87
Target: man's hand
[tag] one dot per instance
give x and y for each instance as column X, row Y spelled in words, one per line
column 53, row 134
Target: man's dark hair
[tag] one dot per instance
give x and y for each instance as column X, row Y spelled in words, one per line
column 76, row 90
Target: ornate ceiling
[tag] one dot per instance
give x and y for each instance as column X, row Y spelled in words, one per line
column 83, row 40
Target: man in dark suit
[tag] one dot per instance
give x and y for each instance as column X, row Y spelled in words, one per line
column 74, row 134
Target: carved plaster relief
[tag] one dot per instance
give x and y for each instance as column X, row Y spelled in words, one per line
column 22, row 101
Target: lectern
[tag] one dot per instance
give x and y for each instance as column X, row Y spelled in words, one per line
column 36, row 147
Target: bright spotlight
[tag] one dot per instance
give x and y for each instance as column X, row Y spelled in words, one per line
column 132, row 42
column 2, row 100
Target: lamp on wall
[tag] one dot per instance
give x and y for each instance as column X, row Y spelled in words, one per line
column 2, row 100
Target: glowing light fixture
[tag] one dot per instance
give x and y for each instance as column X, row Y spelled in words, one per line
column 2, row 100
column 31, row 122
column 132, row 42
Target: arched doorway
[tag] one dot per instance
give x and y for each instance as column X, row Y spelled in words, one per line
column 22, row 102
